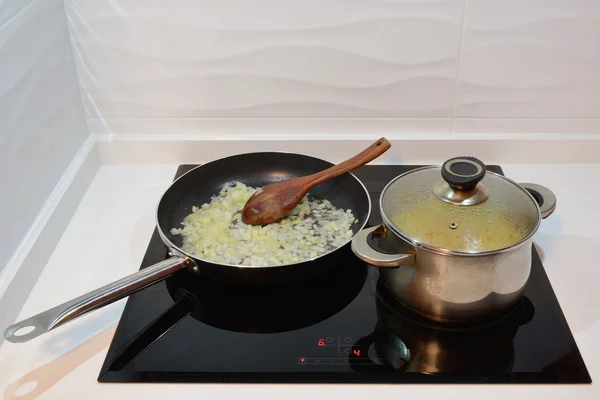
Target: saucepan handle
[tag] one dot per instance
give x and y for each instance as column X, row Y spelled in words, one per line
column 66, row 312
column 365, row 252
column 543, row 196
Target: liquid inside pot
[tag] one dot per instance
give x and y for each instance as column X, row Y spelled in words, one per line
column 475, row 229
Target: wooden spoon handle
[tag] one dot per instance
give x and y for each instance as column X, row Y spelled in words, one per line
column 362, row 158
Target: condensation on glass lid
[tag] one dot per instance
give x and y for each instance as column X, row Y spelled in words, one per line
column 474, row 229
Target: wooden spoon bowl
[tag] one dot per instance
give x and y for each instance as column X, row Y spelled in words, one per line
column 275, row 200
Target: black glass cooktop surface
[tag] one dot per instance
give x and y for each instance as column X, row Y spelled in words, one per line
column 342, row 327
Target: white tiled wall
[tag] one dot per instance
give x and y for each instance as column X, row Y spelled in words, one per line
column 530, row 66
column 267, row 58
column 149, row 66
column 42, row 122
column 530, row 58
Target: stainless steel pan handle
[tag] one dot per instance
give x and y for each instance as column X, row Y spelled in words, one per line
column 543, row 196
column 361, row 248
column 66, row 312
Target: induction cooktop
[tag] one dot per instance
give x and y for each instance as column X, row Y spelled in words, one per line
column 341, row 327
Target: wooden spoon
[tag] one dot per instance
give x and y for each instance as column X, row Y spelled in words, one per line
column 276, row 199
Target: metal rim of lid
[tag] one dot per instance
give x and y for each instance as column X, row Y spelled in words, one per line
column 449, row 252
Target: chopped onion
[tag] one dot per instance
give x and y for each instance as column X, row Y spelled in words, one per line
column 215, row 231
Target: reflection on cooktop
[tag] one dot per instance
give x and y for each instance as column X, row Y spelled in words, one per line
column 270, row 309
column 521, row 314
column 341, row 327
column 410, row 343
column 244, row 309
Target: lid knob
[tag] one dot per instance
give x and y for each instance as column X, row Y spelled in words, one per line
column 463, row 173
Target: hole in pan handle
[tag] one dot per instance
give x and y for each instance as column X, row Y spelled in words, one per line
column 545, row 198
column 365, row 252
column 68, row 311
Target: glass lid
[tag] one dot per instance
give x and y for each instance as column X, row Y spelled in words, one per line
column 459, row 207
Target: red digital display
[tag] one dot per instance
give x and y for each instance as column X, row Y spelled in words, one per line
column 356, row 353
column 321, row 342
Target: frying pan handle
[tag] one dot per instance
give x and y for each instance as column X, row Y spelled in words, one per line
column 95, row 299
column 365, row 252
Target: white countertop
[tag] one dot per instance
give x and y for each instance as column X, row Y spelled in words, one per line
column 108, row 236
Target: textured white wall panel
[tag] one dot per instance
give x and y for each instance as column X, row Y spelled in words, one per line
column 42, row 123
column 530, row 58
column 267, row 58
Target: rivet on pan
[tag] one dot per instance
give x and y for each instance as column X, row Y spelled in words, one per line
column 196, row 270
column 453, row 225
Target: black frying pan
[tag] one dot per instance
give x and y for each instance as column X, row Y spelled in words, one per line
column 194, row 189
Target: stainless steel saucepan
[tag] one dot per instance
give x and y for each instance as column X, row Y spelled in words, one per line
column 456, row 242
